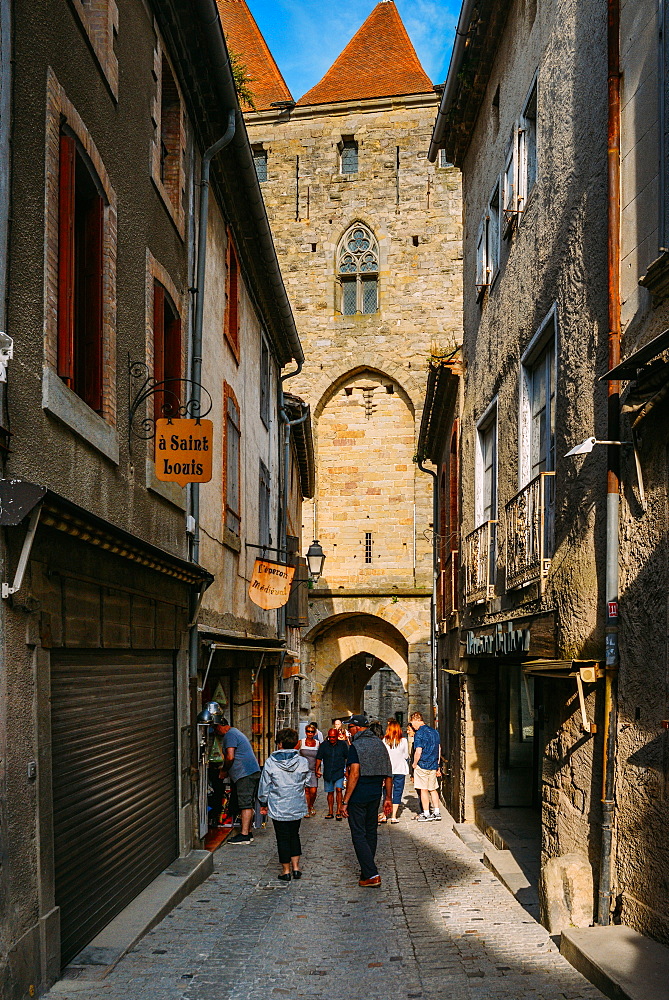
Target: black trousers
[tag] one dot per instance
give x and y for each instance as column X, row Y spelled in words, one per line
column 287, row 839
column 363, row 818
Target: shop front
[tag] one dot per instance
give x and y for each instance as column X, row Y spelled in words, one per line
column 504, row 715
column 239, row 674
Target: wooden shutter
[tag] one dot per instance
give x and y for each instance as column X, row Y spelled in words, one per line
column 90, row 334
column 172, row 362
column 232, row 298
column 65, row 364
column 158, row 344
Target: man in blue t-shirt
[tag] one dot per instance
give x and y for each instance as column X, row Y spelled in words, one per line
column 241, row 765
column 426, row 755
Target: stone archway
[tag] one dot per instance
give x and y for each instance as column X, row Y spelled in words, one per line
column 338, row 644
column 346, row 689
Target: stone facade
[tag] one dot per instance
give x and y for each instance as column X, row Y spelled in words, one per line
column 523, row 740
column 642, row 859
column 365, row 373
column 535, row 321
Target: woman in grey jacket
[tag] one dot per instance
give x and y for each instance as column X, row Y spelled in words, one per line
column 281, row 795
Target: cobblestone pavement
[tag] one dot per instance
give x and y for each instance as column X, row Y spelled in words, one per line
column 440, row 927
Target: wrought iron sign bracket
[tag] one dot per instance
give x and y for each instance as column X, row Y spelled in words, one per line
column 142, row 386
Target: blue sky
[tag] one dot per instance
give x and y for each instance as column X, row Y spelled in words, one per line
column 306, row 36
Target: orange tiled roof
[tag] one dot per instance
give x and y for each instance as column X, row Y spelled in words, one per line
column 379, row 61
column 245, row 40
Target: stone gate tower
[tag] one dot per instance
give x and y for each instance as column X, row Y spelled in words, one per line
column 369, row 238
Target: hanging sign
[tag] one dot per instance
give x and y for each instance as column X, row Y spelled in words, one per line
column 270, row 584
column 183, row 450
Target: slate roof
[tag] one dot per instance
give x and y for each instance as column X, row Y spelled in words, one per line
column 379, row 61
column 244, row 39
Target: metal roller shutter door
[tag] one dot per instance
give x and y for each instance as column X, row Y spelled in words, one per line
column 114, row 784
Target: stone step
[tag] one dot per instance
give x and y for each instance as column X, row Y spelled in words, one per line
column 506, row 868
column 471, row 837
column 619, row 961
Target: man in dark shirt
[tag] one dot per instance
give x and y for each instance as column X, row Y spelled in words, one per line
column 332, row 754
column 369, row 773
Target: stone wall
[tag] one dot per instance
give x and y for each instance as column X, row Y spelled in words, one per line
column 364, row 375
column 642, row 856
column 551, row 269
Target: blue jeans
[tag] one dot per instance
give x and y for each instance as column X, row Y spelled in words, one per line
column 331, row 785
column 398, row 788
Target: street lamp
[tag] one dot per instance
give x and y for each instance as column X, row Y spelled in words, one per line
column 585, row 447
column 315, row 560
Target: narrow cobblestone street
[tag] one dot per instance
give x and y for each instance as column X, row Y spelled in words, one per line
column 441, row 926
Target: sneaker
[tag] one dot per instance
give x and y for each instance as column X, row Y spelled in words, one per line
column 425, row 818
column 368, row 883
column 436, row 815
column 241, row 839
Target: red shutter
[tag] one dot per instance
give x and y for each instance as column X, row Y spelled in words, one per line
column 91, row 332
column 65, row 363
column 158, row 345
column 173, row 359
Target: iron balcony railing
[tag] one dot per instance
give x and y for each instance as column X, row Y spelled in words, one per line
column 529, row 528
column 480, row 563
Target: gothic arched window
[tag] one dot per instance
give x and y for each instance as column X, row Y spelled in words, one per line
column 358, row 271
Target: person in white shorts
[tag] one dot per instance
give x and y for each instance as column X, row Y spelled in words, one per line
column 426, row 755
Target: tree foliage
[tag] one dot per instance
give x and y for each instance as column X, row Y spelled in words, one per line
column 242, row 78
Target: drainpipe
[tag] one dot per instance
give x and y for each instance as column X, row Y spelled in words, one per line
column 433, row 609
column 613, row 472
column 196, row 356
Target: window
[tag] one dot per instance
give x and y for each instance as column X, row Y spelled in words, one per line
column 510, row 183
column 80, row 274
column 99, row 19
column 492, row 236
column 232, row 298
column 348, row 155
column 264, row 494
column 231, row 462
column 264, row 382
column 368, row 546
column 170, row 133
column 486, row 467
column 528, row 147
column 166, row 352
column 260, row 161
column 542, row 412
column 538, row 387
column 442, row 160
column 358, row 270
column 488, row 244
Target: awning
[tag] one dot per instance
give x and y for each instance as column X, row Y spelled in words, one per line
column 563, row 669
column 629, row 367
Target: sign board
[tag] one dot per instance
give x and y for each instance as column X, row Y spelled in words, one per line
column 270, row 584
column 183, row 450
column 613, row 609
column 501, row 642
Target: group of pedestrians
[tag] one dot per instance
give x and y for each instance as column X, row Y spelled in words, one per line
column 364, row 777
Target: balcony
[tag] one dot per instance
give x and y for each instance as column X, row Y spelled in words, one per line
column 529, row 523
column 480, row 563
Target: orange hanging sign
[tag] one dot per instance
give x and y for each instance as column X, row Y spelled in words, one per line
column 183, row 450
column 270, row 584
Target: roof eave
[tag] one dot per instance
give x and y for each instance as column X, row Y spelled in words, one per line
column 441, row 396
column 194, row 26
column 477, row 38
